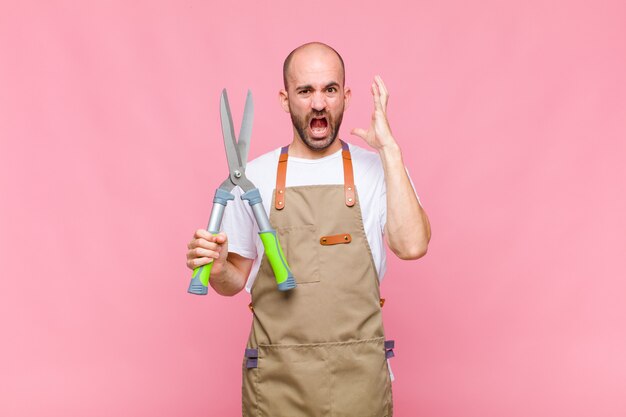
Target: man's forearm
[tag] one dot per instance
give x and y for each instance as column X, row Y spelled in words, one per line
column 407, row 227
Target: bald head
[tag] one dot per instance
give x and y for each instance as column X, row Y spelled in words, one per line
column 310, row 51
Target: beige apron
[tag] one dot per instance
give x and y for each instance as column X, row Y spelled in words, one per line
column 319, row 349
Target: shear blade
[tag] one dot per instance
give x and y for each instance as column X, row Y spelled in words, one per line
column 245, row 131
column 230, row 141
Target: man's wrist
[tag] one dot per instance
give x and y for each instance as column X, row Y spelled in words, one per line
column 221, row 277
column 390, row 151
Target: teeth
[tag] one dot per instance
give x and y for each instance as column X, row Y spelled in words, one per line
column 319, row 125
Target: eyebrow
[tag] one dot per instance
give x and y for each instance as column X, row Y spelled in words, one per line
column 310, row 87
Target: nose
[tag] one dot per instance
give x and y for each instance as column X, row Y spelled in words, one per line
column 318, row 101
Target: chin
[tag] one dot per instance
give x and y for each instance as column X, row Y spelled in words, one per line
column 319, row 144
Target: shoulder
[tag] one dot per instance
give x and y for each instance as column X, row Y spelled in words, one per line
column 268, row 158
column 263, row 165
column 365, row 161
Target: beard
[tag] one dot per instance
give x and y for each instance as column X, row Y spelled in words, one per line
column 302, row 125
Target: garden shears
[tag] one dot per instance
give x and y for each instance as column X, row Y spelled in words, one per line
column 237, row 154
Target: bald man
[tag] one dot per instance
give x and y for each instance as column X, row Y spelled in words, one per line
column 320, row 349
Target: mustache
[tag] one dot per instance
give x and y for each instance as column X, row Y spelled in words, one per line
column 315, row 114
column 318, row 114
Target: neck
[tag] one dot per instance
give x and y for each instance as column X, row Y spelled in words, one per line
column 298, row 149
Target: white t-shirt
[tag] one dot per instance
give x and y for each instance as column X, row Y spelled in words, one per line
column 369, row 179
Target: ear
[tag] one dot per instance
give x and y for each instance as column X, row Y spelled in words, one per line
column 283, row 97
column 347, row 95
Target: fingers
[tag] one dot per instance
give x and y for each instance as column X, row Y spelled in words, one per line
column 383, row 94
column 198, row 262
column 381, row 85
column 204, row 252
column 204, row 235
column 204, row 248
column 212, row 243
column 200, row 255
column 376, row 94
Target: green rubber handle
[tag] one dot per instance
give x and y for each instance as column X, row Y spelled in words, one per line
column 200, row 279
column 274, row 253
column 199, row 284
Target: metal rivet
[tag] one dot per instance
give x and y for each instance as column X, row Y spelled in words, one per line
column 324, row 240
column 237, row 174
column 350, row 200
column 349, row 188
column 280, row 203
column 280, row 191
column 345, row 238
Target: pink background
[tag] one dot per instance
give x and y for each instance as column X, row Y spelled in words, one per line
column 511, row 116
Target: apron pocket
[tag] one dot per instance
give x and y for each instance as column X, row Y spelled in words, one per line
column 293, row 381
column 301, row 247
column 360, row 379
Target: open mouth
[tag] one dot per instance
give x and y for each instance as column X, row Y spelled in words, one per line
column 319, row 127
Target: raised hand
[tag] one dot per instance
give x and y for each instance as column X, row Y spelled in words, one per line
column 379, row 133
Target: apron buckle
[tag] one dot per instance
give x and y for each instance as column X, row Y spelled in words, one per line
column 389, row 345
column 252, row 356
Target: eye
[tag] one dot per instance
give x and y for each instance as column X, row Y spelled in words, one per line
column 304, row 91
column 332, row 89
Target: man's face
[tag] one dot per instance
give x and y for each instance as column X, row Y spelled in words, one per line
column 316, row 97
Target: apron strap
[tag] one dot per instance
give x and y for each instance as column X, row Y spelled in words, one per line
column 348, row 176
column 281, row 176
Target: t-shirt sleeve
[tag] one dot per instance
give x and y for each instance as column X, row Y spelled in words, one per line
column 239, row 225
